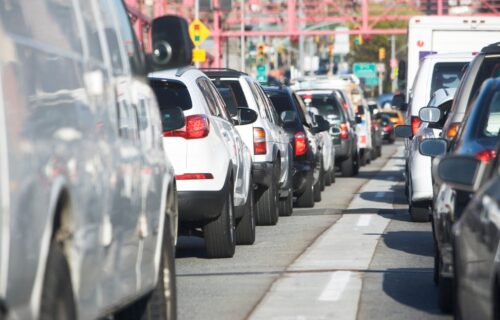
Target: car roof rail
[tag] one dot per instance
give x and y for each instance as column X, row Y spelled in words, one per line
column 492, row 48
column 183, row 70
column 223, row 72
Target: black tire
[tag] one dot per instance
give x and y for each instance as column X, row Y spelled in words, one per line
column 267, row 203
column 328, row 178
column 322, row 182
column 332, row 175
column 419, row 212
column 347, row 167
column 219, row 234
column 306, row 200
column 286, row 205
column 245, row 229
column 379, row 151
column 317, row 190
column 435, row 275
column 355, row 164
column 160, row 304
column 57, row 293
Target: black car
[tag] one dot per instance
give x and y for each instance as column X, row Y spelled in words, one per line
column 330, row 105
column 475, row 235
column 387, row 126
column 306, row 153
column 477, row 137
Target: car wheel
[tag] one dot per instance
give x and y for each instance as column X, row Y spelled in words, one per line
column 219, row 233
column 57, row 293
column 355, row 164
column 419, row 212
column 306, row 199
column 379, row 151
column 332, row 175
column 161, row 303
column 328, row 178
column 322, row 182
column 435, row 276
column 347, row 167
column 317, row 190
column 245, row 229
column 267, row 203
column 286, row 205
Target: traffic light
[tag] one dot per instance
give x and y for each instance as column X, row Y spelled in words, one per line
column 381, row 54
column 358, row 40
column 260, row 53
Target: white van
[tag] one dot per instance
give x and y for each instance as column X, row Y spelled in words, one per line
column 445, row 34
column 88, row 203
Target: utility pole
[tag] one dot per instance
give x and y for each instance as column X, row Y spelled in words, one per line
column 301, row 41
column 242, row 39
column 393, row 62
column 196, row 17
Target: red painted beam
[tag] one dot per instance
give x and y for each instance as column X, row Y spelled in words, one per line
column 307, row 33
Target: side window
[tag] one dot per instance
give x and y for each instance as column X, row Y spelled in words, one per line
column 258, row 99
column 301, row 109
column 130, row 43
column 273, row 116
column 208, row 95
column 112, row 38
column 220, row 104
column 91, row 31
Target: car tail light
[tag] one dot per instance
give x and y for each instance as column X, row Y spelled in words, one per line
column 300, row 143
column 486, row 155
column 388, row 128
column 344, row 131
column 194, row 176
column 259, row 141
column 415, row 124
column 197, row 126
column 453, row 130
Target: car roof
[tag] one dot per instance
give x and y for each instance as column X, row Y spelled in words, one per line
column 465, row 56
column 223, row 73
column 184, row 73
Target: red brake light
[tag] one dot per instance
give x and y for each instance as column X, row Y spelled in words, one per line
column 194, row 176
column 197, row 126
column 259, row 141
column 344, row 131
column 486, row 155
column 388, row 128
column 415, row 124
column 300, row 143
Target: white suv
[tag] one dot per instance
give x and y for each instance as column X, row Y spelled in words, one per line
column 270, row 145
column 211, row 162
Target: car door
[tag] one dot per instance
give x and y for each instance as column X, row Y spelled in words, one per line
column 119, row 225
column 243, row 156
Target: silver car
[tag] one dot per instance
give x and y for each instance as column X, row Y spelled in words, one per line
column 87, row 198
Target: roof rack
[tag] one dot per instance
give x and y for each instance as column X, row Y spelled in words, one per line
column 223, row 72
column 183, row 70
column 492, row 48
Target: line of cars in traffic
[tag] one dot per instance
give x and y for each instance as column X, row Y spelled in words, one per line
column 452, row 165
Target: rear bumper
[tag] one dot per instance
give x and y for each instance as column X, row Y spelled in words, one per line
column 262, row 173
column 201, row 206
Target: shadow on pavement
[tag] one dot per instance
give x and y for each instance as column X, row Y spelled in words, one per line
column 189, row 247
column 412, row 287
column 390, row 175
column 387, row 197
column 412, row 242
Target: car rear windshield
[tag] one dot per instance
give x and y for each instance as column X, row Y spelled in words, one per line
column 447, row 75
column 231, row 92
column 327, row 106
column 171, row 93
column 282, row 102
column 390, row 114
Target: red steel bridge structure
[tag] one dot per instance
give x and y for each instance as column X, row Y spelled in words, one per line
column 290, row 18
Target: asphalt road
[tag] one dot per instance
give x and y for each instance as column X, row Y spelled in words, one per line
column 356, row 254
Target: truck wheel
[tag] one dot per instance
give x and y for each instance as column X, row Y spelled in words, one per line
column 267, row 203
column 286, row 205
column 306, row 200
column 445, row 293
column 347, row 167
column 219, row 233
column 245, row 229
column 57, row 293
column 161, row 303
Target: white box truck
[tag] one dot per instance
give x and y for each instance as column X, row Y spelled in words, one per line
column 446, row 34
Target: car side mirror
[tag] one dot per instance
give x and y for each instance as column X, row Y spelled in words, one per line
column 335, row 130
column 403, row 131
column 471, row 172
column 288, row 117
column 433, row 147
column 358, row 119
column 246, row 116
column 172, row 47
column 323, row 124
column 173, row 119
column 430, row 114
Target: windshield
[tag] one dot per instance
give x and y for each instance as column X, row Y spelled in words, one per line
column 446, row 75
column 326, row 105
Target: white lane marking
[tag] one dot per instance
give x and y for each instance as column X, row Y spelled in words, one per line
column 364, row 220
column 379, row 194
column 334, row 289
